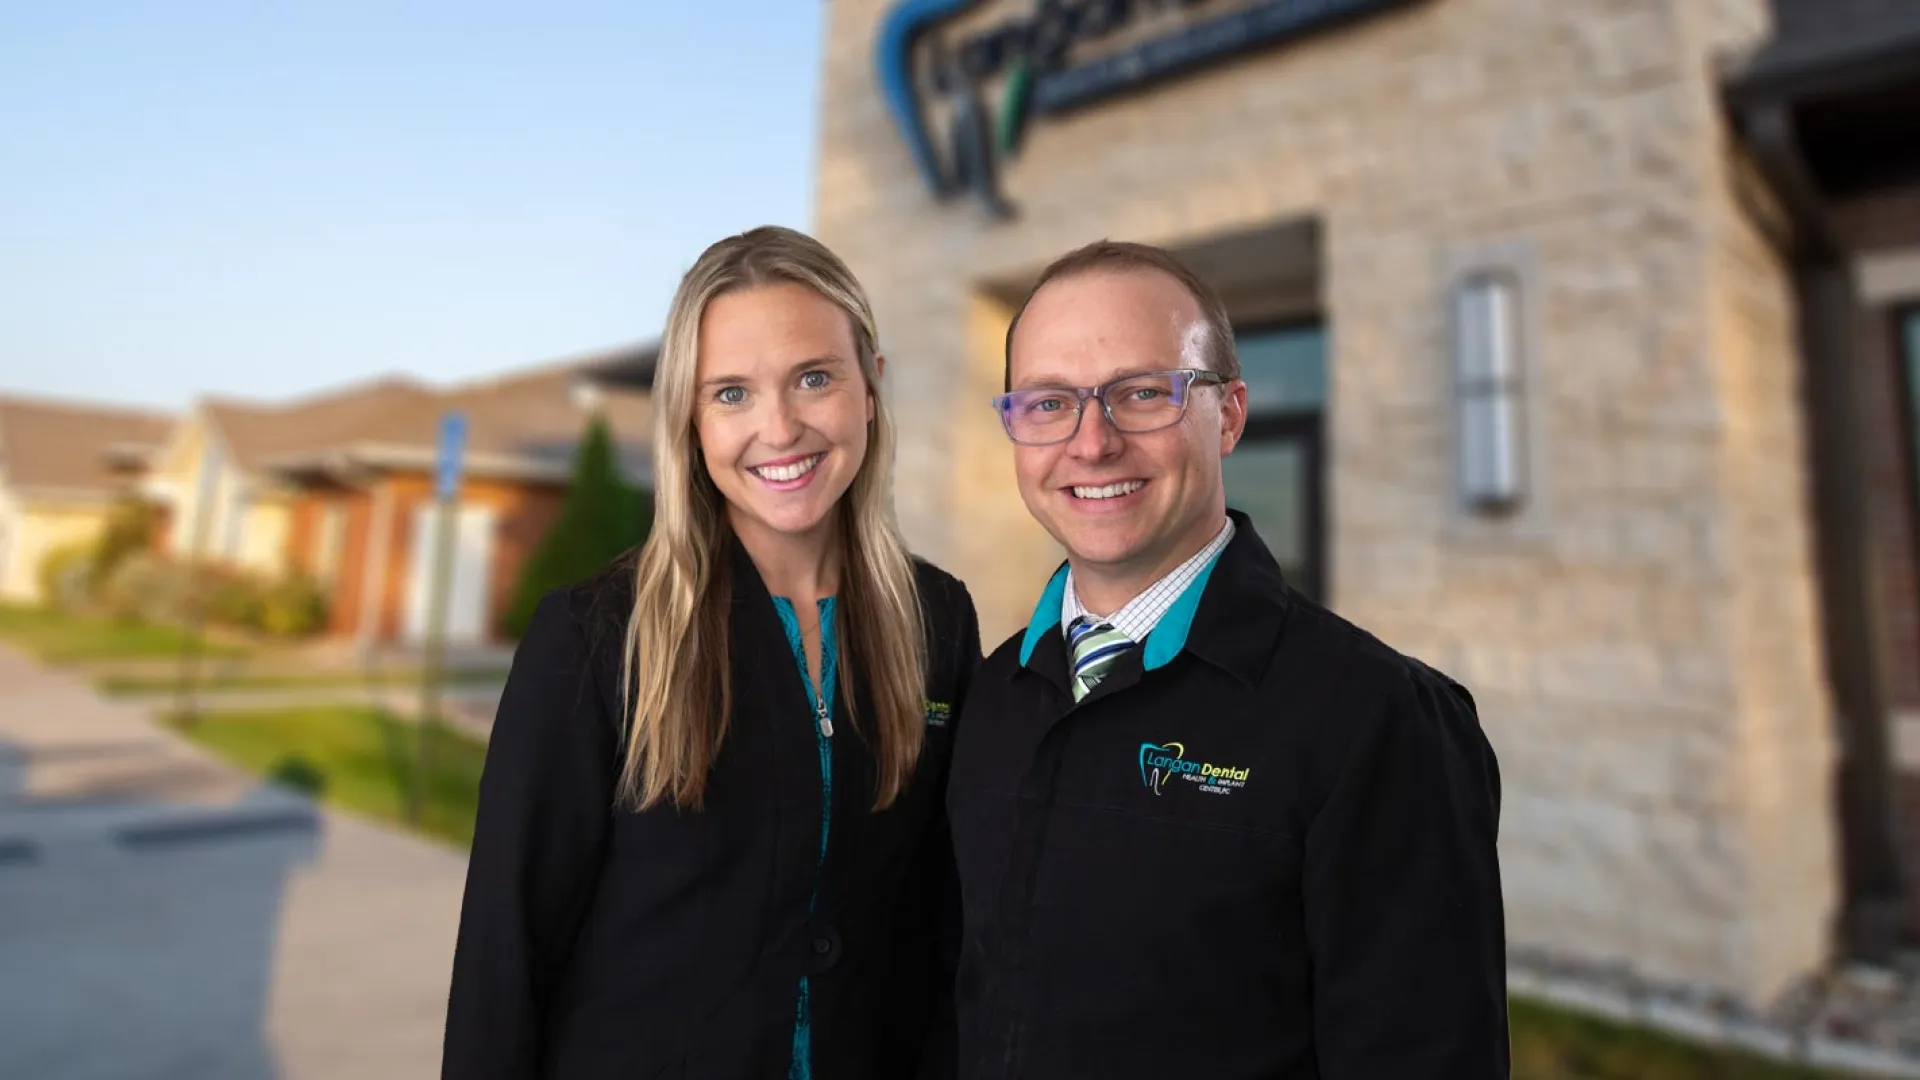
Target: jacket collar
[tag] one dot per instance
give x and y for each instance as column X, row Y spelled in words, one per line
column 1228, row 616
column 759, row 637
column 745, row 584
column 1046, row 614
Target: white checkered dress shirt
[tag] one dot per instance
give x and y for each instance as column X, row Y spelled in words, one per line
column 1142, row 613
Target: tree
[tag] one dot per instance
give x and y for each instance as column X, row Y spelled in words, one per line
column 600, row 517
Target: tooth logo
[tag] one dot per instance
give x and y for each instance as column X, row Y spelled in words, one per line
column 1160, row 762
column 1157, row 762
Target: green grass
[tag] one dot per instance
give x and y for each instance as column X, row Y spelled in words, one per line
column 359, row 759
column 57, row 637
column 1554, row 1044
column 157, row 684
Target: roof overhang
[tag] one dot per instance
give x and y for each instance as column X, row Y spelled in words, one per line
column 1844, row 104
column 69, row 496
column 630, row 369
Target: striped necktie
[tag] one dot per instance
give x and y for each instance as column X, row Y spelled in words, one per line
column 1095, row 647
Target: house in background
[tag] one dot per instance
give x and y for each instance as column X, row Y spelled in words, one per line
column 363, row 521
column 222, row 503
column 340, row 487
column 63, row 466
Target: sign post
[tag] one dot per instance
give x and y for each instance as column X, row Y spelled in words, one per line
column 446, row 493
column 186, row 704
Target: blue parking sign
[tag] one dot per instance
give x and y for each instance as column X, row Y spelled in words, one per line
column 453, row 441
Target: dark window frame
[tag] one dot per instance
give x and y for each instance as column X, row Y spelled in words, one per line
column 1906, row 359
column 1307, row 428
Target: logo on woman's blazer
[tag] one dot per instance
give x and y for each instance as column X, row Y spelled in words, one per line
column 938, row 713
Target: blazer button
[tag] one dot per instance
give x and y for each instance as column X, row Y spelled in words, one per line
column 823, row 947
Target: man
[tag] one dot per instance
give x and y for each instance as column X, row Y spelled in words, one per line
column 1203, row 827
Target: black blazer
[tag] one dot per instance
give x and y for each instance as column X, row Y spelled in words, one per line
column 1263, row 852
column 602, row 943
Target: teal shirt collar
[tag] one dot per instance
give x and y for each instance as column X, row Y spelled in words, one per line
column 1164, row 642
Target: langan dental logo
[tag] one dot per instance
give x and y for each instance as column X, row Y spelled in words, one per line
column 962, row 78
column 1160, row 762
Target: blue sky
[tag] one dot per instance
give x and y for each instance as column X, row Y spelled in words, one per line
column 265, row 199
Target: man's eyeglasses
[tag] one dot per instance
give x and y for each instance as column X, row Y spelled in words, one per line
column 1135, row 404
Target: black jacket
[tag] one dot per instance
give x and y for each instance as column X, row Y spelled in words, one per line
column 597, row 942
column 1264, row 849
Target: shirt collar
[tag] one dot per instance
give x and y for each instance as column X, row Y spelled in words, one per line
column 1167, row 617
column 1138, row 616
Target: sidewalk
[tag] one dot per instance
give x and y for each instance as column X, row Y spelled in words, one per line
column 467, row 708
column 162, row 915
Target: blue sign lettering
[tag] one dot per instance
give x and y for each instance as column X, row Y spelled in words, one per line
column 447, row 464
column 926, row 81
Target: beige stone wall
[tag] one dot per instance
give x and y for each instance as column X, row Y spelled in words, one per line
column 1780, row 779
column 1642, row 638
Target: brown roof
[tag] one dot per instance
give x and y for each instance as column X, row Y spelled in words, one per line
column 526, row 422
column 72, row 448
column 542, row 414
column 256, row 434
column 535, row 418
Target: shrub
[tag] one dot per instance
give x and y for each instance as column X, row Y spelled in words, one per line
column 600, row 517
column 64, row 576
column 147, row 587
column 295, row 606
column 129, row 531
column 233, row 598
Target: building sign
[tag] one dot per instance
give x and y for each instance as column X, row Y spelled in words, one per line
column 447, row 460
column 962, row 86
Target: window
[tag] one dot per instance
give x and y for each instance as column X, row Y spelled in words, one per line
column 1274, row 475
column 1285, row 369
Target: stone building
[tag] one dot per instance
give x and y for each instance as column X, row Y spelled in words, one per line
column 1575, row 346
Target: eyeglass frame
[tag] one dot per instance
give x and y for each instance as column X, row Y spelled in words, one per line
column 1199, row 376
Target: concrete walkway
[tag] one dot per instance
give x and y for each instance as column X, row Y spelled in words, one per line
column 162, row 915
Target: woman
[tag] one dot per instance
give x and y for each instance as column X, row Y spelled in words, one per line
column 711, row 840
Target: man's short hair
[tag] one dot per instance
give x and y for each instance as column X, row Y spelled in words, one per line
column 1120, row 256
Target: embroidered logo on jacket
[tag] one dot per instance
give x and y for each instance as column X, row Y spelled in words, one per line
column 939, row 713
column 1160, row 762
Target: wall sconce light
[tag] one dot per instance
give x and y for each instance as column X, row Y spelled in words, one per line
column 1488, row 391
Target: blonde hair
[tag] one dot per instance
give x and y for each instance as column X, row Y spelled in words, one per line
column 675, row 673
